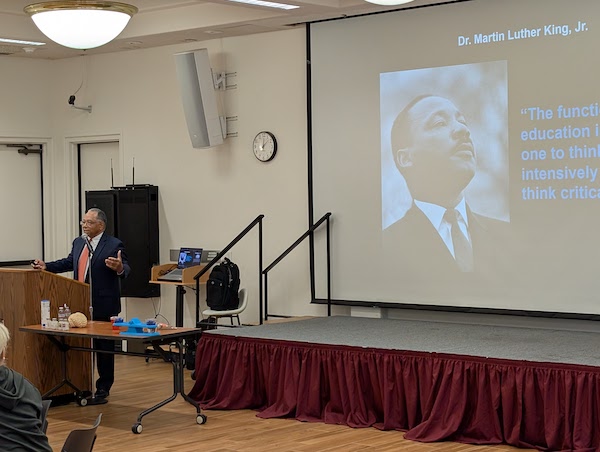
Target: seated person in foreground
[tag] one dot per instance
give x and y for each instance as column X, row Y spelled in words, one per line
column 20, row 409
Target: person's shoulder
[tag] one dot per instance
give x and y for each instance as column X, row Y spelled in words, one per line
column 110, row 239
column 490, row 221
column 489, row 225
column 113, row 242
column 413, row 217
column 12, row 380
column 5, row 371
column 413, row 233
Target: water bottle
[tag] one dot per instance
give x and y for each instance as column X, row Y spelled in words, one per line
column 63, row 323
column 67, row 315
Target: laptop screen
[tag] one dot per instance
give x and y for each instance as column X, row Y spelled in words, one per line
column 189, row 257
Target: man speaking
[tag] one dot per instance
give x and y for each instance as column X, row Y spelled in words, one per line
column 105, row 256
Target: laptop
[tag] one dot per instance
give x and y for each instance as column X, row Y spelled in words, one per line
column 207, row 255
column 188, row 257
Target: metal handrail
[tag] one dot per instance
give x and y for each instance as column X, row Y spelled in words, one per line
column 308, row 233
column 257, row 220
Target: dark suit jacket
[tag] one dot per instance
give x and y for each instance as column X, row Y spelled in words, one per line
column 419, row 249
column 106, row 284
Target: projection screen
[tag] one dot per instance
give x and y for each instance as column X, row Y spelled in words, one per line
column 458, row 149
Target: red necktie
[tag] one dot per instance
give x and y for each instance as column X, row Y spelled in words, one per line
column 82, row 264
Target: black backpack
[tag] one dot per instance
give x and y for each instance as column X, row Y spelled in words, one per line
column 222, row 287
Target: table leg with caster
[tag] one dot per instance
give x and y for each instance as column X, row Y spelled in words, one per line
column 177, row 360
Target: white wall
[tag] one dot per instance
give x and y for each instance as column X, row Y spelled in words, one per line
column 135, row 96
column 25, row 93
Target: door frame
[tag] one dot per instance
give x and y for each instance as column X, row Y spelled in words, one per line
column 73, row 188
column 46, row 189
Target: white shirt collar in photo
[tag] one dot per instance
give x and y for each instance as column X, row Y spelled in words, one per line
column 435, row 214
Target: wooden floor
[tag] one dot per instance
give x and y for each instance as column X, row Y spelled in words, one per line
column 173, row 427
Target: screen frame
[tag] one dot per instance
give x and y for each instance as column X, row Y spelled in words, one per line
column 311, row 219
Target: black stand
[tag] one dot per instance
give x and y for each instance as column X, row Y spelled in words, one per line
column 92, row 400
column 82, row 397
column 179, row 293
column 63, row 365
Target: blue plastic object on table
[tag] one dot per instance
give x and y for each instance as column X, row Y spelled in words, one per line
column 135, row 327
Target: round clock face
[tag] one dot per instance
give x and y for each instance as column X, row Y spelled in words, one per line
column 264, row 146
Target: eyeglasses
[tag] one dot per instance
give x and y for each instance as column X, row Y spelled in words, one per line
column 90, row 222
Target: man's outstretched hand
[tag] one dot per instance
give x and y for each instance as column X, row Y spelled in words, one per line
column 115, row 263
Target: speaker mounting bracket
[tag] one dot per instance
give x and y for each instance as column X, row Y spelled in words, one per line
column 221, row 80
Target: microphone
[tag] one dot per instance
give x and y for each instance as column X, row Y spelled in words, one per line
column 88, row 243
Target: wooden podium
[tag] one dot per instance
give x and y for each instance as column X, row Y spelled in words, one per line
column 33, row 355
column 187, row 279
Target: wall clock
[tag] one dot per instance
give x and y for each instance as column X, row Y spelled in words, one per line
column 264, row 146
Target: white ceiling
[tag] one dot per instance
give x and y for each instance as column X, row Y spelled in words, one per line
column 165, row 22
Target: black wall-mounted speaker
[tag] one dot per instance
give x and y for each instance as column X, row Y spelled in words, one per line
column 133, row 218
column 199, row 98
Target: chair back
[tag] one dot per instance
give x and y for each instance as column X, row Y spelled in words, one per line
column 243, row 295
column 82, row 440
column 45, row 407
column 231, row 313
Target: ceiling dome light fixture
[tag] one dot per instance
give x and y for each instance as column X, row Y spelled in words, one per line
column 389, row 2
column 81, row 24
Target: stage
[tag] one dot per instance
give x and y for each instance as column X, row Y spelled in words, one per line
column 527, row 387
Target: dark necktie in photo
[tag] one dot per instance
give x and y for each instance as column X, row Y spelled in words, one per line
column 463, row 252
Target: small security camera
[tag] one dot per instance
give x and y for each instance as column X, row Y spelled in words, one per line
column 72, row 104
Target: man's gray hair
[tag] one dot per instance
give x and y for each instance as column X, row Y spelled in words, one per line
column 100, row 215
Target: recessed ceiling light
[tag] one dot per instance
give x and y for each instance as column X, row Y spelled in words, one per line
column 18, row 41
column 213, row 32
column 267, row 4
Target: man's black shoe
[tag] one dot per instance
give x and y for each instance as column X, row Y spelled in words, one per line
column 101, row 394
column 99, row 398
